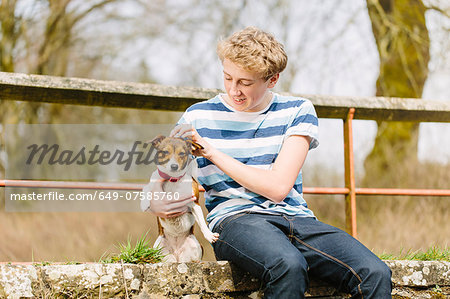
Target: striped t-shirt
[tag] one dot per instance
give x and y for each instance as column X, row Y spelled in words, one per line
column 255, row 139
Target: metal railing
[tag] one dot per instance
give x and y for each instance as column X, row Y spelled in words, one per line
column 76, row 91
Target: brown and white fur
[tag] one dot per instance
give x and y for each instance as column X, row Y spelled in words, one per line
column 176, row 234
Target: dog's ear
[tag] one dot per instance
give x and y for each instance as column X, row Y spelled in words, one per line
column 157, row 140
column 188, row 139
column 190, row 142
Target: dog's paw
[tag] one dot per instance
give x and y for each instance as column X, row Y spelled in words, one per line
column 212, row 237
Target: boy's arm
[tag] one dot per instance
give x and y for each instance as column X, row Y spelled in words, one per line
column 274, row 184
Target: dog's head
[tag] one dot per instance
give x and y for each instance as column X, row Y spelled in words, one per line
column 173, row 154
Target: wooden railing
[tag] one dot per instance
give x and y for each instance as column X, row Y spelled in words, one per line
column 75, row 91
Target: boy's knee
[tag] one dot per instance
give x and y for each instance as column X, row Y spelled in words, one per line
column 289, row 266
column 287, row 273
column 380, row 271
column 297, row 266
column 379, row 279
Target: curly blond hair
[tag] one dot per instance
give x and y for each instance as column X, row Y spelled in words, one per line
column 254, row 50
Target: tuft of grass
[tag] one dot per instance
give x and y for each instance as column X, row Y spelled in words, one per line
column 431, row 254
column 43, row 263
column 140, row 253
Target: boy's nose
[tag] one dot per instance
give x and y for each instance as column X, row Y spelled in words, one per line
column 234, row 90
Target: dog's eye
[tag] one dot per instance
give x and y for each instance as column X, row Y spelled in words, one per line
column 182, row 154
column 163, row 153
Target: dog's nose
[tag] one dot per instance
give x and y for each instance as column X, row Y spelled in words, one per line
column 174, row 167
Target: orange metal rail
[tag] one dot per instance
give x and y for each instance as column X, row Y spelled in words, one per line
column 71, row 185
column 350, row 198
column 138, row 187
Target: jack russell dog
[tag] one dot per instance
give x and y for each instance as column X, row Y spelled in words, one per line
column 175, row 168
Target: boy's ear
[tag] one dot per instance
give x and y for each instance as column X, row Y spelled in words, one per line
column 273, row 80
column 157, row 140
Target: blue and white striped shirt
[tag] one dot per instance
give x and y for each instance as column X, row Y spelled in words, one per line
column 255, row 139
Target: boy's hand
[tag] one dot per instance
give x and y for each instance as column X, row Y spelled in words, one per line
column 164, row 207
column 182, row 131
column 200, row 147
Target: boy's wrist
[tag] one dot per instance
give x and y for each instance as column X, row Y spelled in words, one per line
column 211, row 153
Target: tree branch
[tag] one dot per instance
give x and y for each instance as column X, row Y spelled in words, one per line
column 89, row 10
column 438, row 9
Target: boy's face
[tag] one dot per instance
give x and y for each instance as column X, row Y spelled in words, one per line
column 246, row 91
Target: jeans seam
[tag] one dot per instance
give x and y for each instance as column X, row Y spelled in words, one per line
column 291, row 228
column 336, row 260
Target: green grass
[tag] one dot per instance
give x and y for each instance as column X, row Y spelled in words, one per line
column 432, row 254
column 140, row 253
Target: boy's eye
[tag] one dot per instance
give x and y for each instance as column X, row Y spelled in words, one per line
column 243, row 83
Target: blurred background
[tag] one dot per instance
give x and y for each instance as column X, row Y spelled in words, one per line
column 347, row 48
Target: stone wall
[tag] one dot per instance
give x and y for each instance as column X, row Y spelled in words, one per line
column 412, row 279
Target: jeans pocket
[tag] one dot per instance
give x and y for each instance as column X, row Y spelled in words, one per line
column 221, row 225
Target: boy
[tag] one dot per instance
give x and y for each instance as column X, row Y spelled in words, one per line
column 254, row 145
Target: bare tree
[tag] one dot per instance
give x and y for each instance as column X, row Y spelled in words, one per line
column 40, row 52
column 72, row 38
column 10, row 32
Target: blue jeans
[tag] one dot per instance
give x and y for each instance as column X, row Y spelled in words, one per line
column 282, row 251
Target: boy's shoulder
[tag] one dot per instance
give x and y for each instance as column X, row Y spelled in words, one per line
column 283, row 98
column 283, row 101
column 212, row 104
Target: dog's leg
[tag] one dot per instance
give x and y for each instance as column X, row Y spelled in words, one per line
column 145, row 203
column 147, row 191
column 161, row 242
column 198, row 215
column 190, row 251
